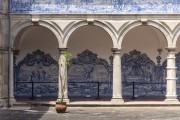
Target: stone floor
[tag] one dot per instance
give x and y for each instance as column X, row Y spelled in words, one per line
column 91, row 113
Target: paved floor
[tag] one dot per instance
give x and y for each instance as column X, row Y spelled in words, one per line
column 91, row 113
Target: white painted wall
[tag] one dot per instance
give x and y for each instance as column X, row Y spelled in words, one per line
column 37, row 37
column 93, row 38
column 145, row 39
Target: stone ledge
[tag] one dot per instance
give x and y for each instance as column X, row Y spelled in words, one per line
column 103, row 104
column 171, row 101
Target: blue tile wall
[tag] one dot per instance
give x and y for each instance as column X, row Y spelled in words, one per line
column 148, row 78
column 88, row 74
column 38, row 71
column 95, row 6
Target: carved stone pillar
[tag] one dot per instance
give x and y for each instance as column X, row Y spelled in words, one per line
column 171, row 95
column 117, row 79
column 62, row 81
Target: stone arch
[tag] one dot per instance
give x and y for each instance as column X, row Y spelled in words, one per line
column 154, row 24
column 19, row 26
column 176, row 35
column 100, row 24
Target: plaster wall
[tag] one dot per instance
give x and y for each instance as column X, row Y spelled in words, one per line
column 144, row 39
column 34, row 38
column 147, row 40
column 93, row 38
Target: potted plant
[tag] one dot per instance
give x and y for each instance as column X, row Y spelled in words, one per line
column 65, row 59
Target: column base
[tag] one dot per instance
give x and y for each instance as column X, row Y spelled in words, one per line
column 64, row 100
column 117, row 101
column 4, row 102
column 12, row 101
column 1, row 102
column 171, row 99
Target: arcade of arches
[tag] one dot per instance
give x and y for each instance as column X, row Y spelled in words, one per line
column 111, row 59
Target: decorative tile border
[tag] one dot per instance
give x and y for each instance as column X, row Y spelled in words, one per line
column 96, row 6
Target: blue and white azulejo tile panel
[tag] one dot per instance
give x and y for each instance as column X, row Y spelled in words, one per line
column 89, row 76
column 96, row 6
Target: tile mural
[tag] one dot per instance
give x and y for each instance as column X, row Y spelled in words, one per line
column 89, row 75
column 96, row 6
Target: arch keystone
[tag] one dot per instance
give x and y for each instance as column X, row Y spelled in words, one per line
column 144, row 21
column 35, row 21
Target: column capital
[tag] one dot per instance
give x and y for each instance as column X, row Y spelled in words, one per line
column 62, row 50
column 169, row 49
column 116, row 50
column 15, row 52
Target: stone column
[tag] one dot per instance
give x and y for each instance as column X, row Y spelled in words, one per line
column 62, row 82
column 171, row 95
column 4, row 78
column 13, row 53
column 12, row 100
column 117, row 79
column 1, row 78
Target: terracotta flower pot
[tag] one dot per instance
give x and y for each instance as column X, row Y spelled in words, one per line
column 60, row 107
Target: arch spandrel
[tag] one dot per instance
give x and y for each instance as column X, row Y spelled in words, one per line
column 176, row 35
column 16, row 29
